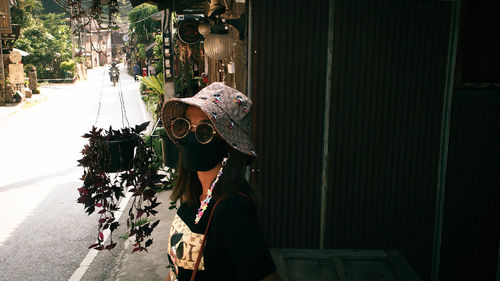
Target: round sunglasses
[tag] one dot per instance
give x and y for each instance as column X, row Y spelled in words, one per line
column 204, row 132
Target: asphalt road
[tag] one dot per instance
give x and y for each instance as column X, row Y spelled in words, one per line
column 44, row 233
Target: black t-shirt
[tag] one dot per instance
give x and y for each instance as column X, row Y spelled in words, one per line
column 234, row 248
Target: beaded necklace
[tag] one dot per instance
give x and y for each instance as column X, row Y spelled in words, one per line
column 204, row 203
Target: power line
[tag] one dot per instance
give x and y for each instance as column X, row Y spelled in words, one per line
column 145, row 18
column 62, row 4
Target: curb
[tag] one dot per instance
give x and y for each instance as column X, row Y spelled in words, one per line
column 23, row 104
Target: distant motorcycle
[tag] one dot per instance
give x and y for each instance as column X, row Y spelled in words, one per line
column 114, row 75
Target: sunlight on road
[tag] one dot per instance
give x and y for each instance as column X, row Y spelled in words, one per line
column 41, row 144
column 18, row 203
column 39, row 147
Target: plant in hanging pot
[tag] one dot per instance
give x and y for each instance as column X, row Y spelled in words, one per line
column 124, row 153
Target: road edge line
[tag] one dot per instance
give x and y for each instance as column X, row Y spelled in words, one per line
column 89, row 258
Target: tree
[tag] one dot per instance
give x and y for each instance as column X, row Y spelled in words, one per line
column 142, row 25
column 23, row 13
column 46, row 37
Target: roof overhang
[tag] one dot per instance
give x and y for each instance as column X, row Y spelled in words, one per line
column 23, row 53
column 173, row 5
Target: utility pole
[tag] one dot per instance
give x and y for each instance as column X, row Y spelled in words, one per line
column 111, row 43
column 72, row 35
column 5, row 27
column 3, row 97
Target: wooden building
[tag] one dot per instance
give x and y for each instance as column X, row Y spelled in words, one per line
column 377, row 125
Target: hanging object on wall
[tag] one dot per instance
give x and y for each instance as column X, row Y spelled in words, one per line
column 188, row 31
column 204, row 28
column 231, row 68
column 218, row 43
column 216, row 8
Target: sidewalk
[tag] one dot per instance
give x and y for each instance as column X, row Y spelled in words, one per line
column 153, row 264
column 121, row 264
column 124, row 265
column 11, row 108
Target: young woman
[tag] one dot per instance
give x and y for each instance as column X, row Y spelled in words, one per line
column 216, row 233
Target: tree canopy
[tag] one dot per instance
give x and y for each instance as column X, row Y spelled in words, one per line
column 142, row 25
column 47, row 37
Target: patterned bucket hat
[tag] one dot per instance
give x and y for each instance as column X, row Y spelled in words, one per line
column 227, row 108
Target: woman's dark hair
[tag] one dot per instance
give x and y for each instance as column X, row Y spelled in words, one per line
column 188, row 187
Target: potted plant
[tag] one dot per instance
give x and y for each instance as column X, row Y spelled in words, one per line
column 153, row 96
column 152, row 88
column 124, row 153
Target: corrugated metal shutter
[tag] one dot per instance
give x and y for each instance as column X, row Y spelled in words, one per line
column 471, row 228
column 288, row 92
column 389, row 77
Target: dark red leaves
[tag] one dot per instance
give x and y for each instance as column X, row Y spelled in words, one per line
column 140, row 213
column 139, row 249
column 102, row 191
column 139, row 128
column 83, row 191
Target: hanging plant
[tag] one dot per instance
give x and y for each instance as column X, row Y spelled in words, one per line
column 136, row 173
column 123, row 154
column 103, row 13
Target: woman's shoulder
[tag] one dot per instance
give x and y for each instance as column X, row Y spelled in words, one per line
column 237, row 201
column 233, row 207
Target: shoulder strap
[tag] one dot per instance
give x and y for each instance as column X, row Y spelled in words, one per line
column 248, row 197
column 198, row 259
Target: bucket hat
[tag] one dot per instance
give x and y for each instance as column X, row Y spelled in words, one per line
column 227, row 108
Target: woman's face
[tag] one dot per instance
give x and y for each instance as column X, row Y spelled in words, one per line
column 198, row 155
column 196, row 116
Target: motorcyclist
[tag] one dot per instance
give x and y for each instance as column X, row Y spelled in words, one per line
column 114, row 68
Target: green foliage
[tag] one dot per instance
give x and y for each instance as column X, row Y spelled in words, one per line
column 141, row 51
column 142, row 87
column 46, row 37
column 68, row 68
column 158, row 53
column 141, row 27
column 158, row 48
column 155, row 142
column 154, row 84
column 23, row 13
column 153, row 93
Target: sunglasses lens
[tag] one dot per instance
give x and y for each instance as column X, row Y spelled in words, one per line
column 180, row 128
column 204, row 132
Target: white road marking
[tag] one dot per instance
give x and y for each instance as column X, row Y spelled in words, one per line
column 87, row 261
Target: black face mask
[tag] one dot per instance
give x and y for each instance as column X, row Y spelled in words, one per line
column 201, row 157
